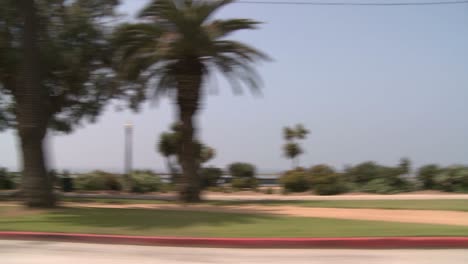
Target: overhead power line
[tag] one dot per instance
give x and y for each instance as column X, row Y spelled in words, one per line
column 353, row 3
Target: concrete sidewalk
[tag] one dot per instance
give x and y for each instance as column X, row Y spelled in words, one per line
column 36, row 252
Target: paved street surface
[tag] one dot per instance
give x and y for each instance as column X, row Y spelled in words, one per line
column 36, row 252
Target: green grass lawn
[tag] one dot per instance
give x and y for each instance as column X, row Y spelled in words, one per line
column 209, row 224
column 445, row 205
column 113, row 201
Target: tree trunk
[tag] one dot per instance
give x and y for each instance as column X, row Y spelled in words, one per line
column 189, row 83
column 32, row 117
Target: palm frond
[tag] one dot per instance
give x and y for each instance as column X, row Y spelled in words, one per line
column 239, row 49
column 164, row 85
column 203, row 10
column 238, row 72
column 164, row 12
column 221, row 28
column 135, row 38
column 136, row 48
column 179, row 30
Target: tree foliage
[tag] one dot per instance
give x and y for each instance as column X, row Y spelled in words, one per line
column 210, row 176
column 452, row 179
column 74, row 57
column 169, row 145
column 295, row 181
column 426, row 176
column 372, row 177
column 243, row 175
column 291, row 148
column 242, row 170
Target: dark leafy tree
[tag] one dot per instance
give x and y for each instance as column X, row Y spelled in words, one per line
column 426, row 176
column 54, row 74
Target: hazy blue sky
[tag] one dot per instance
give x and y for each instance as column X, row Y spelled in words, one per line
column 371, row 83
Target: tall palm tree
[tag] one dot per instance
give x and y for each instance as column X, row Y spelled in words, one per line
column 292, row 150
column 173, row 50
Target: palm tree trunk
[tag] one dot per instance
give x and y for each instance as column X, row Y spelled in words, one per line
column 32, row 117
column 188, row 98
column 190, row 184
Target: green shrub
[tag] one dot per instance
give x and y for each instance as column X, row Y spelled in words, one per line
column 363, row 173
column 379, row 186
column 244, row 183
column 242, row 170
column 6, row 180
column 374, row 178
column 321, row 169
column 67, row 182
column 295, row 181
column 426, row 176
column 143, row 182
column 98, row 181
column 330, row 184
column 269, row 191
column 210, row 176
column 325, row 181
column 452, row 179
column 396, row 180
column 243, row 175
column 167, row 187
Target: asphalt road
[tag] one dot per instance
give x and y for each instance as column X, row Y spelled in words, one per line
column 38, row 252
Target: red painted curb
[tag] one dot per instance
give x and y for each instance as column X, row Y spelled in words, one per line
column 360, row 242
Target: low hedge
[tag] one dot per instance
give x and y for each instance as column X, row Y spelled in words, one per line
column 210, row 176
column 244, row 183
column 98, row 181
column 295, row 181
column 142, row 182
column 330, row 184
column 6, row 180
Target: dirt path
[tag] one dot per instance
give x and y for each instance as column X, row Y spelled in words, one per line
column 406, row 216
column 426, row 195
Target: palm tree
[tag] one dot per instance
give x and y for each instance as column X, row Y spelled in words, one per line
column 173, row 50
column 31, row 116
column 292, row 149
